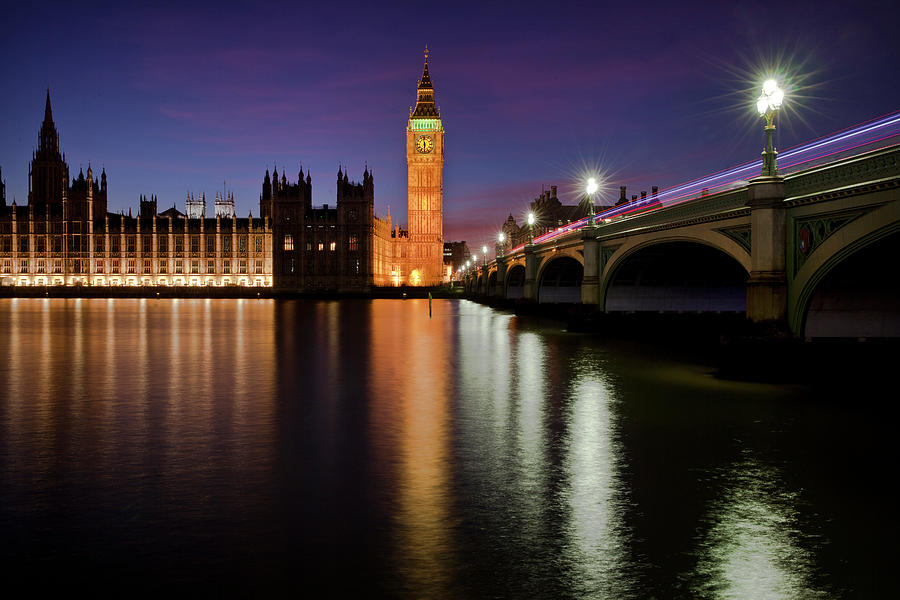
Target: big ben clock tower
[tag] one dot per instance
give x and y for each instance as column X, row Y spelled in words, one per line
column 425, row 187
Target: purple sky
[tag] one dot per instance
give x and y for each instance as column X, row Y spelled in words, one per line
column 177, row 98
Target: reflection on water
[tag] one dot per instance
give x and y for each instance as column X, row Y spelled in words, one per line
column 411, row 418
column 751, row 550
column 365, row 446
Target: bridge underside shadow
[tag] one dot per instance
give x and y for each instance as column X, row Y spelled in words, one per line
column 858, row 298
column 678, row 277
column 515, row 283
column 561, row 282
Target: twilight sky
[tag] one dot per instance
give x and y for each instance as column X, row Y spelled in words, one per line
column 181, row 97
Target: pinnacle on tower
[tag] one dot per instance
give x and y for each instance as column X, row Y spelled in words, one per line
column 425, row 81
column 48, row 138
column 48, row 113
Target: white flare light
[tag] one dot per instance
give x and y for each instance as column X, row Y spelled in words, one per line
column 771, row 99
column 777, row 99
column 592, row 186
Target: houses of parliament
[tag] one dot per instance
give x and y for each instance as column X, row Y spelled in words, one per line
column 65, row 234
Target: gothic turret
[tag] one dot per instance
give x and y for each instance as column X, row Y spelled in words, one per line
column 48, row 170
column 49, row 138
column 267, row 187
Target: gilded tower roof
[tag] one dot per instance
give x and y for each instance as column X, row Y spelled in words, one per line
column 425, row 106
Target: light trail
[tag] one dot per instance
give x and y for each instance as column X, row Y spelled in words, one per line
column 871, row 133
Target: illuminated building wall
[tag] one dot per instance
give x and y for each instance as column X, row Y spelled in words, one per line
column 65, row 236
column 37, row 249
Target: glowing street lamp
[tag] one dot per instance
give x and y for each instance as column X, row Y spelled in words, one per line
column 484, row 254
column 767, row 105
column 531, row 228
column 500, row 238
column 592, row 187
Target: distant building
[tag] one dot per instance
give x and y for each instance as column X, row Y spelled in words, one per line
column 549, row 213
column 455, row 255
column 195, row 209
column 225, row 205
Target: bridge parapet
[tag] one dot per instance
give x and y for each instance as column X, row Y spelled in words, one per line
column 722, row 205
column 849, row 172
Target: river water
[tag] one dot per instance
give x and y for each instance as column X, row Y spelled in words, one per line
column 367, row 449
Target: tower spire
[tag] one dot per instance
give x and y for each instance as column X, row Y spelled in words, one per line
column 48, row 112
column 425, row 97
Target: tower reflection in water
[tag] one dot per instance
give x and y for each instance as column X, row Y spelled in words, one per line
column 411, row 422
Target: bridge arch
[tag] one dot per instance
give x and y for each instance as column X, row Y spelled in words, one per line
column 515, row 281
column 492, row 283
column 676, row 274
column 559, row 279
column 694, row 234
column 844, row 288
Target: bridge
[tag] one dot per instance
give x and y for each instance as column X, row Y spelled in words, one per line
column 811, row 253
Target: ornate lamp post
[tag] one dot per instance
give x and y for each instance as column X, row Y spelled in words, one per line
column 500, row 239
column 767, row 105
column 591, row 189
column 484, row 254
column 531, row 228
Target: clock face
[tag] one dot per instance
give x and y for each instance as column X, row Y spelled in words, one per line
column 424, row 144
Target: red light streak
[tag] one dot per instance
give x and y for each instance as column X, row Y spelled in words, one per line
column 685, row 192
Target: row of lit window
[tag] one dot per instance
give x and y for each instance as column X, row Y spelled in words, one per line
column 352, row 244
column 130, row 266
column 165, row 280
column 75, row 242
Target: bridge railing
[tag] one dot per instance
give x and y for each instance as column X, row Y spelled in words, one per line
column 868, row 167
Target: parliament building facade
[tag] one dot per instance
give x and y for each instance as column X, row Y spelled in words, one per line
column 66, row 236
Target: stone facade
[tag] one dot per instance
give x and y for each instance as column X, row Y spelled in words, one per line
column 66, row 236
